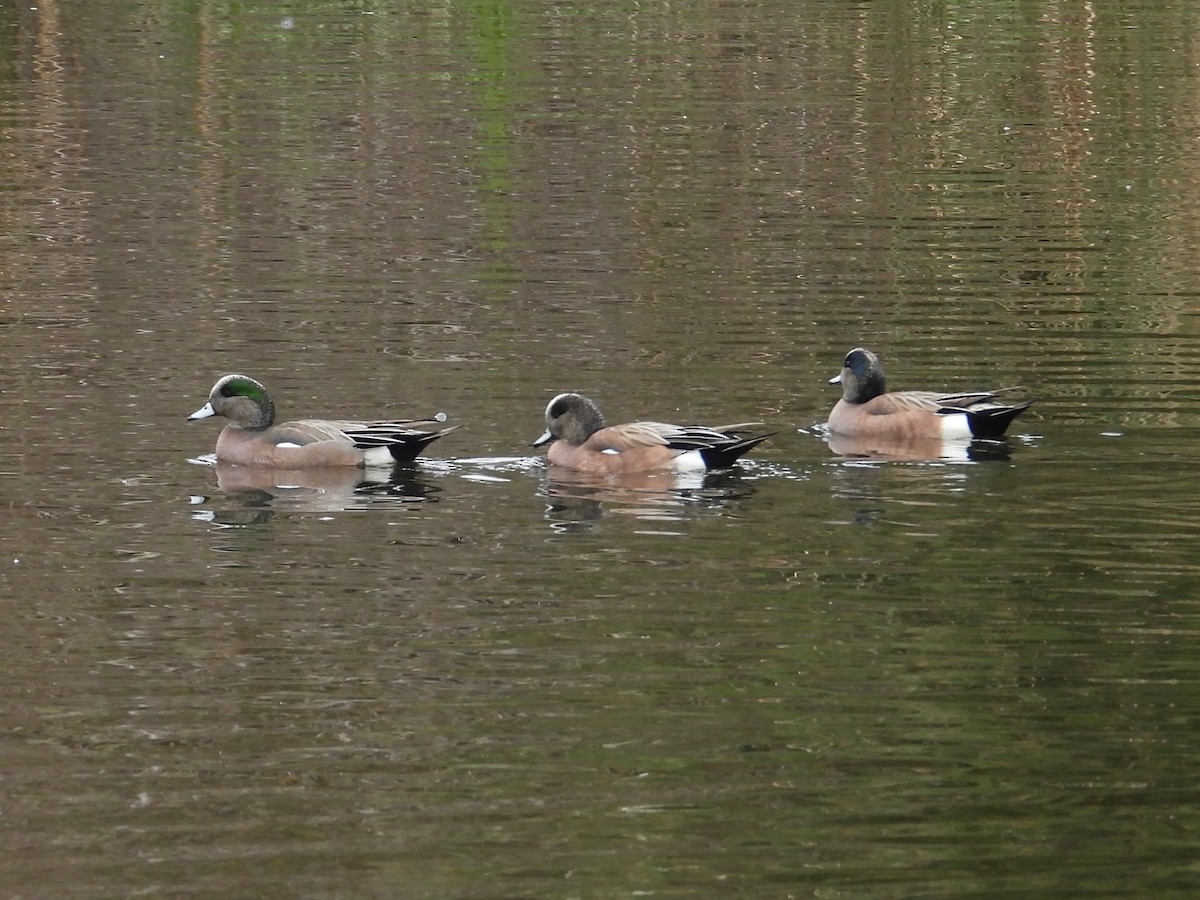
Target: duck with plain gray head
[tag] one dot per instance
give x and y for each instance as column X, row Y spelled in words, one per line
column 253, row 439
column 581, row 440
column 868, row 410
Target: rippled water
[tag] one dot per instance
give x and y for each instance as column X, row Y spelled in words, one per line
column 814, row 675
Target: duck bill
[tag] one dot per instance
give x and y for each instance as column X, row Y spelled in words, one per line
column 202, row 413
column 546, row 438
column 836, row 379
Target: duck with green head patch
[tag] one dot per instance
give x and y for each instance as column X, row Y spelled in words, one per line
column 253, row 439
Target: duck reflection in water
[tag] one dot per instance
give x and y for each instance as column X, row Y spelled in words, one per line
column 582, row 497
column 917, row 449
column 328, row 489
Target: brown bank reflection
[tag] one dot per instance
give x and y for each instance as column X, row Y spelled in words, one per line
column 331, row 489
column 578, row 498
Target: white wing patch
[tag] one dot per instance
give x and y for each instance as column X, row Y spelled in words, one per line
column 611, row 450
column 287, row 445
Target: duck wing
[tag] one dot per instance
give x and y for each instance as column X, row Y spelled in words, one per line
column 404, row 439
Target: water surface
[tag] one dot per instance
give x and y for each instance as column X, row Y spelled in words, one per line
column 812, row 676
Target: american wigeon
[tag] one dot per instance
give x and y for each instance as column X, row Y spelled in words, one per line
column 583, row 442
column 253, row 439
column 868, row 410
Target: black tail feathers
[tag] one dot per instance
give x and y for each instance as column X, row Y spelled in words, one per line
column 993, row 421
column 725, row 455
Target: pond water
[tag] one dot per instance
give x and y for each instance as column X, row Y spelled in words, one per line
column 812, row 675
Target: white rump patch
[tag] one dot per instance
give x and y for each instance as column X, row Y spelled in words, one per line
column 378, row 456
column 689, row 461
column 955, row 427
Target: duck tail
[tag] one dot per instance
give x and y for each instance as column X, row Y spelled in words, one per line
column 993, row 421
column 410, row 445
column 725, row 455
